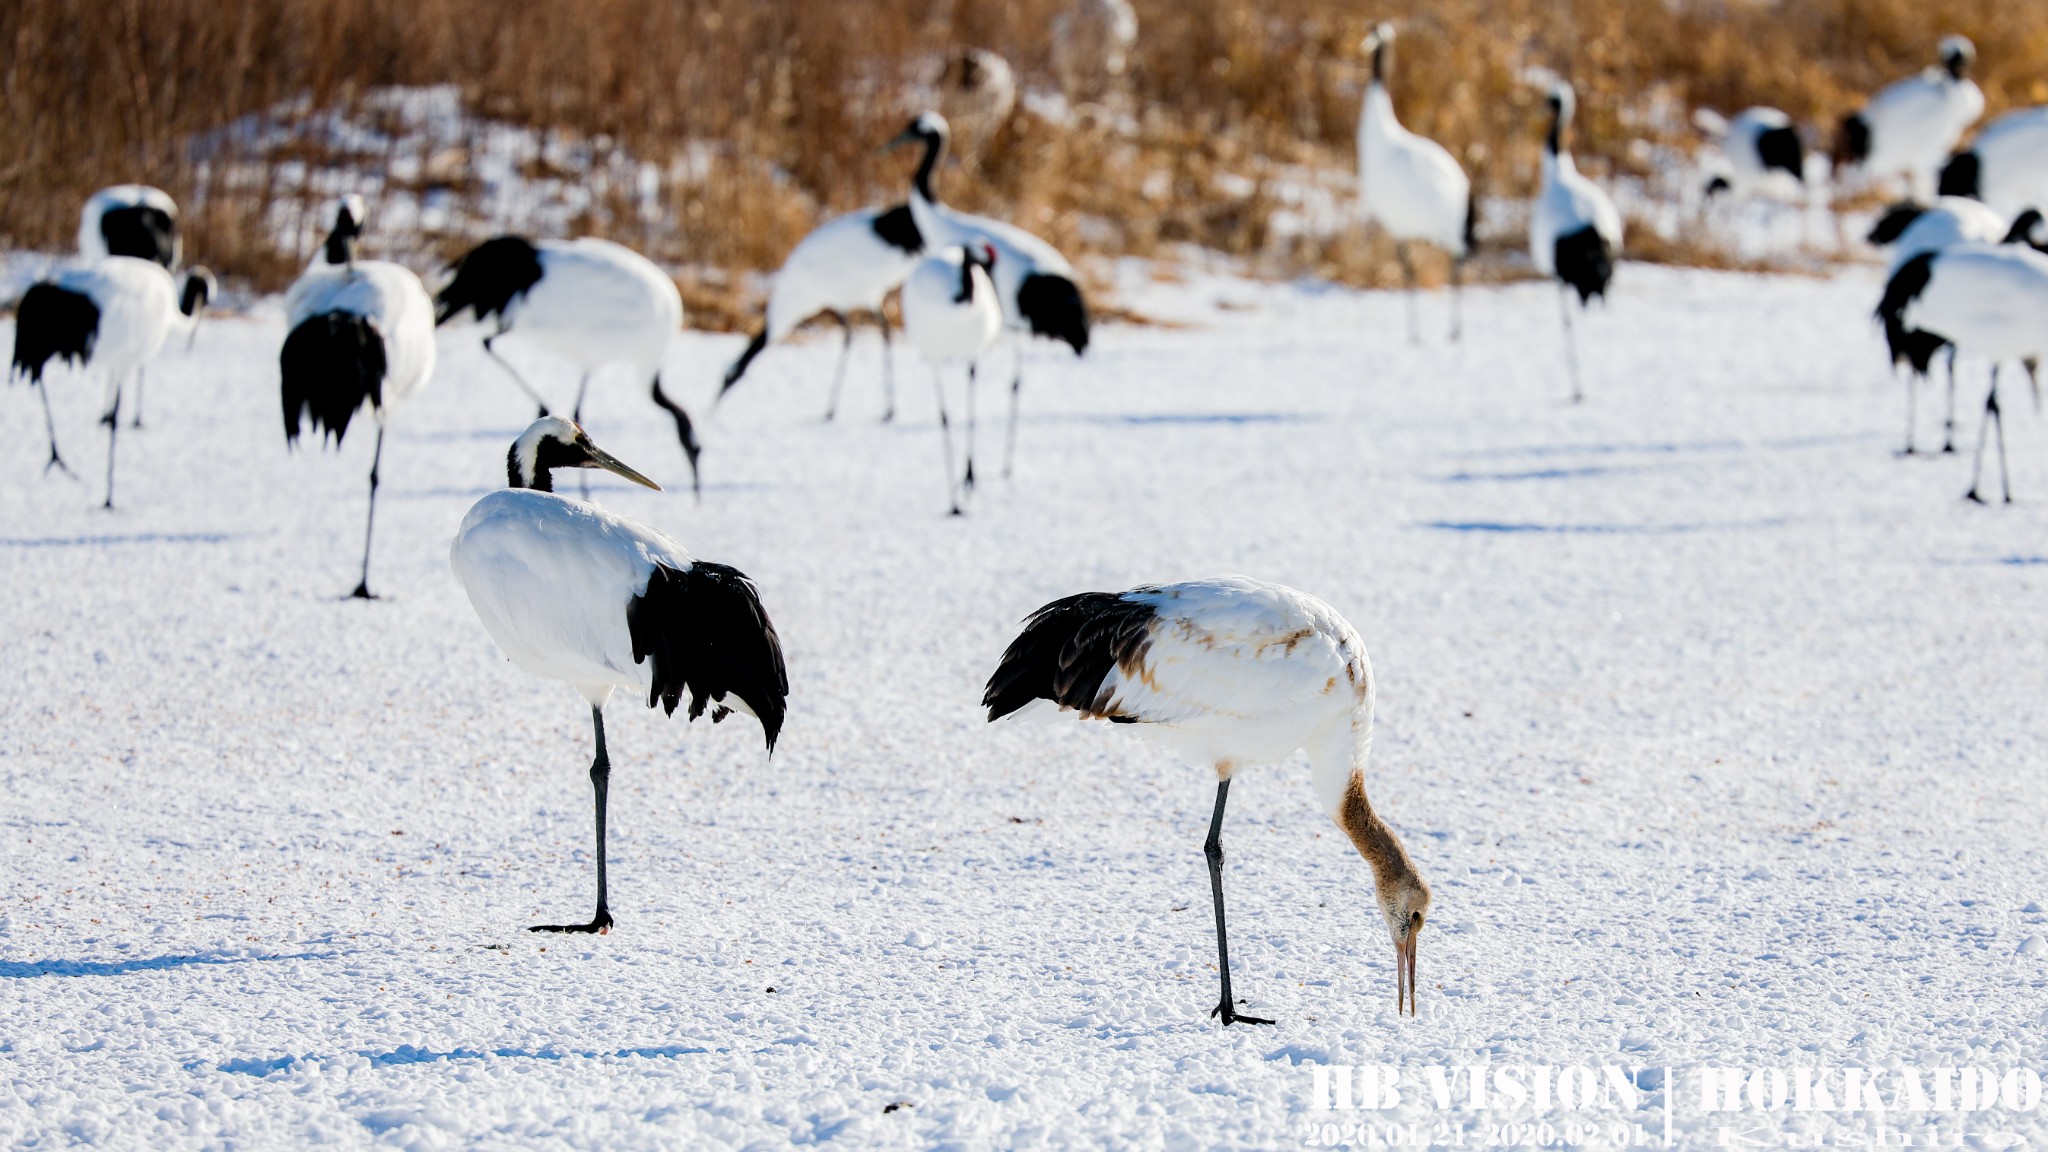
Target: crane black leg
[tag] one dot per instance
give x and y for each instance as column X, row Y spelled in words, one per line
column 514, row 373
column 1991, row 416
column 1016, row 398
column 135, row 421
column 600, row 783
column 1571, row 348
column 888, row 368
column 973, row 387
column 50, row 425
column 362, row 591
column 1213, row 849
column 946, row 438
column 1408, row 278
column 113, row 422
column 1948, row 441
column 839, row 374
column 1457, row 298
column 1912, row 404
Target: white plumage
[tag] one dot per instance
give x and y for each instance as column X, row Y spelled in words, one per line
column 2006, row 166
column 111, row 314
column 589, row 301
column 848, row 264
column 1574, row 228
column 951, row 314
column 574, row 593
column 1912, row 124
column 1987, row 299
column 393, row 299
column 1229, row 672
column 357, row 332
column 131, row 220
column 1034, row 283
column 550, row 577
column 1410, row 184
column 1909, row 229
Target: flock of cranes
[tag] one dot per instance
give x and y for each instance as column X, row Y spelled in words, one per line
column 1228, row 672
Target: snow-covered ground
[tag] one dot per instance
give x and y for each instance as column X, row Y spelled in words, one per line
column 1716, row 727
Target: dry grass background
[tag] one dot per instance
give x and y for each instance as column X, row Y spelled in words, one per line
column 1224, row 103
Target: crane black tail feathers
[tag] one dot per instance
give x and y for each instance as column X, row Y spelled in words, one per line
column 1916, row 347
column 1961, row 176
column 1586, row 262
column 331, row 364
column 709, row 637
column 1067, row 650
column 1053, row 307
column 1894, row 222
column 488, row 278
column 739, row 366
column 53, row 322
column 686, row 434
column 1781, row 148
column 1852, row 143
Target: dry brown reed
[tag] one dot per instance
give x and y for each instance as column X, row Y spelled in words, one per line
column 1223, row 100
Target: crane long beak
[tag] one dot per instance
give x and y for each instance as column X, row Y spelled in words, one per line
column 900, row 140
column 599, row 458
column 1404, row 977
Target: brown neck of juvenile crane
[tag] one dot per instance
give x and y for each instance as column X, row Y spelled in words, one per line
column 1375, row 841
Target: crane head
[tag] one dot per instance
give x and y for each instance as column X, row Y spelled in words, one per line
column 923, row 127
column 552, row 442
column 1957, row 54
column 1405, row 904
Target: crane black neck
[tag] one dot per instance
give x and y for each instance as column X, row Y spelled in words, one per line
column 934, row 150
column 1379, row 61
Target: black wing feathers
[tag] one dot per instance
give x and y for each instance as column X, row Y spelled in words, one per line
column 897, row 229
column 1915, row 347
column 489, row 278
column 332, row 363
column 1053, row 307
column 53, row 321
column 1894, row 222
column 141, row 231
column 1067, row 650
column 708, row 636
column 1585, row 261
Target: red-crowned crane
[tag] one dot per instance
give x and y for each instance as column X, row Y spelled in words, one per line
column 589, row 301
column 1909, row 127
column 574, row 593
column 358, row 332
column 1410, row 184
column 1988, row 299
column 1228, row 672
column 1035, row 284
column 111, row 315
column 951, row 314
column 848, row 264
column 1574, row 229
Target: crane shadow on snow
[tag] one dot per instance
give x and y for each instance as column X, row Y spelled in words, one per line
column 1511, row 528
column 135, row 538
column 31, row 969
column 1588, row 472
column 407, row 1054
column 1671, row 448
column 1154, row 419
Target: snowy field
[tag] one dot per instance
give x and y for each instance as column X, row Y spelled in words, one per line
column 1717, row 728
